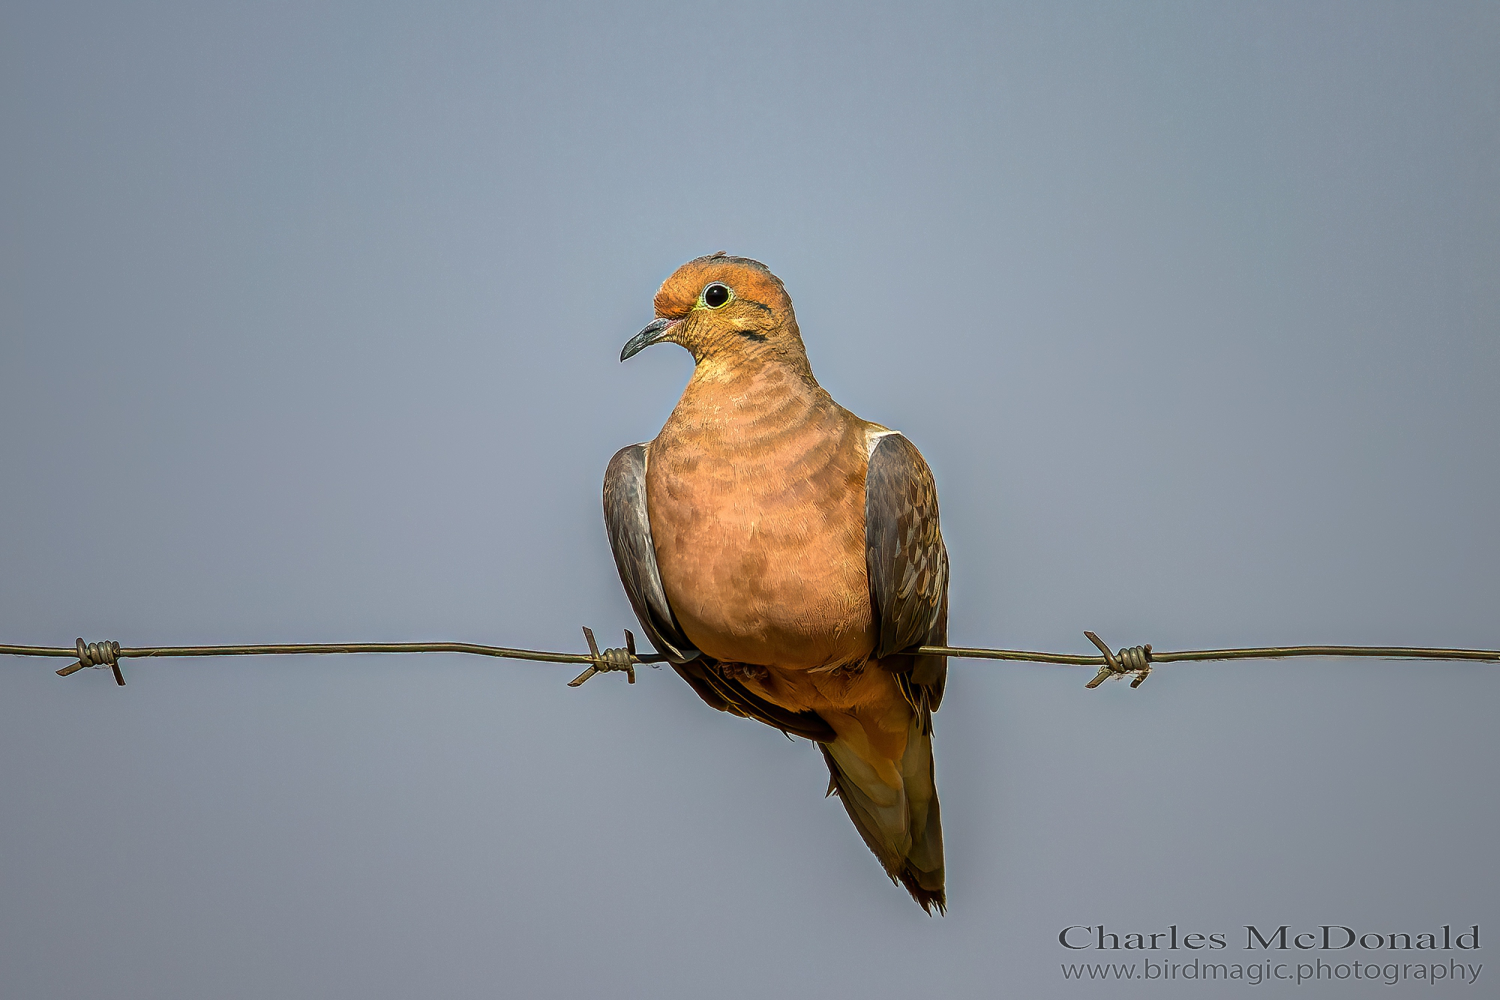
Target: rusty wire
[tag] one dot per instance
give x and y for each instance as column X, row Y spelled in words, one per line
column 1133, row 661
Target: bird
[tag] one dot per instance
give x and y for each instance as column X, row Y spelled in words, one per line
column 786, row 558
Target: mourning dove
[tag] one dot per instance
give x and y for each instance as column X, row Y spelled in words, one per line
column 784, row 555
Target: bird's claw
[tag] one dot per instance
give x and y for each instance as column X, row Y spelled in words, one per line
column 610, row 659
column 1130, row 660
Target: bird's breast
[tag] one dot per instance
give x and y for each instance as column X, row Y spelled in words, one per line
column 755, row 492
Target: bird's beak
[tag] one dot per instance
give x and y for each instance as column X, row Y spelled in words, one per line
column 655, row 333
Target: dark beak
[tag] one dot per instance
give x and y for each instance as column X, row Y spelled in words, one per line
column 653, row 334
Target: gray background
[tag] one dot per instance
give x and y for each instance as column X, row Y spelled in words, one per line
column 310, row 327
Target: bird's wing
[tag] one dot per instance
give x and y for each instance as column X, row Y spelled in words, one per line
column 908, row 567
column 629, row 530
column 635, row 556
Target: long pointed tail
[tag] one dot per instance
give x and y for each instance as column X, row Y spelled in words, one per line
column 894, row 806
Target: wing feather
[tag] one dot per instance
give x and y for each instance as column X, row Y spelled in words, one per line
column 635, row 554
column 908, row 568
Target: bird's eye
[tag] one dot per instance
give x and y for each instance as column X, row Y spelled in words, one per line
column 716, row 295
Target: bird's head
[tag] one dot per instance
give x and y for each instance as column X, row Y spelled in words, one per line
column 726, row 308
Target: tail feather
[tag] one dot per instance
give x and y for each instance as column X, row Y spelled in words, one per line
column 900, row 825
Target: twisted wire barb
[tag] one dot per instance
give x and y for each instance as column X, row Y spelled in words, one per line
column 96, row 654
column 1136, row 661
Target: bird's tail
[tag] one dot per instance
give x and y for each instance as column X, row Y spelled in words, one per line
column 895, row 810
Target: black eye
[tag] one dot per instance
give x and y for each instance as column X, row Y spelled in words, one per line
column 716, row 295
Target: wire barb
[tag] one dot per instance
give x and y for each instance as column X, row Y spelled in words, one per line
column 1130, row 660
column 98, row 655
column 611, row 659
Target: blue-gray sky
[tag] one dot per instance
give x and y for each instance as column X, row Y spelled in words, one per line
column 309, row 326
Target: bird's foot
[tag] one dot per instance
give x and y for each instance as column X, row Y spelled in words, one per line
column 742, row 671
column 611, row 659
column 1130, row 660
column 841, row 669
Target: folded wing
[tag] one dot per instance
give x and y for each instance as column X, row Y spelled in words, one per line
column 908, row 567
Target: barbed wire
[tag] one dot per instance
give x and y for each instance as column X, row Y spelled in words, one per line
column 1133, row 661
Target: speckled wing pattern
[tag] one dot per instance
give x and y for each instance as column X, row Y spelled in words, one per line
column 908, row 567
column 629, row 529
